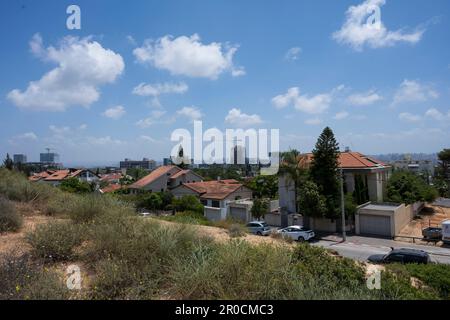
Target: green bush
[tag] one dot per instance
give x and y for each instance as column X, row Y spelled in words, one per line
column 237, row 230
column 435, row 276
column 187, row 203
column 87, row 208
column 74, row 185
column 56, row 241
column 188, row 217
column 10, row 220
column 15, row 186
column 22, row 278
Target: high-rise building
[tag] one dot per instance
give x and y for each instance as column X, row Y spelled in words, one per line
column 20, row 158
column 49, row 157
column 145, row 163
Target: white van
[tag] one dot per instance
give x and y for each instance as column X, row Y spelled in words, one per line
column 446, row 231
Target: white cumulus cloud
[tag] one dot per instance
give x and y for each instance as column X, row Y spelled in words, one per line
column 341, row 115
column 155, row 115
column 413, row 91
column 313, row 121
column 115, row 112
column 237, row 118
column 82, row 66
column 362, row 27
column 156, row 89
column 192, row 113
column 364, row 98
column 308, row 104
column 293, row 53
column 188, row 56
column 409, row 117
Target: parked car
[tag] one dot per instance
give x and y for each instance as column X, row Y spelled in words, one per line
column 259, row 228
column 297, row 233
column 432, row 233
column 402, row 255
column 144, row 214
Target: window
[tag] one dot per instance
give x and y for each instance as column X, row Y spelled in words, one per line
column 215, row 204
column 395, row 258
column 204, row 202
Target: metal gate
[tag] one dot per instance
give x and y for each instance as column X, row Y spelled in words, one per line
column 238, row 213
column 375, row 225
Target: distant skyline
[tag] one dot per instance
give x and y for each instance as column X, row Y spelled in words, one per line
column 136, row 71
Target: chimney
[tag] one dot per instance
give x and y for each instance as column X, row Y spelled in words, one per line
column 347, row 149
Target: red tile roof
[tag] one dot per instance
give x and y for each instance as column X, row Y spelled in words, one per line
column 40, row 175
column 111, row 176
column 58, row 175
column 354, row 160
column 214, row 189
column 155, row 174
column 179, row 174
column 111, row 188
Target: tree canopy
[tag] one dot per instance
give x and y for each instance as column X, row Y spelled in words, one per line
column 404, row 186
column 324, row 170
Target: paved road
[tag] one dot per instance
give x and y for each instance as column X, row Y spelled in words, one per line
column 360, row 248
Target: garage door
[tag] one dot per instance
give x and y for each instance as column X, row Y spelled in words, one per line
column 238, row 213
column 375, row 225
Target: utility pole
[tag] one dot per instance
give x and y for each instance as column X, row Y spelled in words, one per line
column 344, row 236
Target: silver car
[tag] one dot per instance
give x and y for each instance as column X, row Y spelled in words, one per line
column 259, row 228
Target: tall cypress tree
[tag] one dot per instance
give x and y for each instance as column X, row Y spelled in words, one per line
column 324, row 170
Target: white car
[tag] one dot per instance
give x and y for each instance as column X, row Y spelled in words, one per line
column 144, row 214
column 297, row 233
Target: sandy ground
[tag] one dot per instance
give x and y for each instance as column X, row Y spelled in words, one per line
column 424, row 220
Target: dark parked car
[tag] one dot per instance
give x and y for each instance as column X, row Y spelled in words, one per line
column 431, row 233
column 402, row 256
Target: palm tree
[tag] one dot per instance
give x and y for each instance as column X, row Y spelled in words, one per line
column 293, row 165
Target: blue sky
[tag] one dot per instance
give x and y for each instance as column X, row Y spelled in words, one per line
column 136, row 71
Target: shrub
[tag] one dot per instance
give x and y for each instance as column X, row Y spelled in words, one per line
column 236, row 230
column 187, row 203
column 21, row 278
column 55, row 241
column 87, row 208
column 15, row 186
column 189, row 217
column 10, row 220
column 75, row 185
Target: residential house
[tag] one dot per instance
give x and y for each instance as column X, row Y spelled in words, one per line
column 164, row 178
column 57, row 176
column 365, row 177
column 221, row 198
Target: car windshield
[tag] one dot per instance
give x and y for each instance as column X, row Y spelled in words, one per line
column 264, row 224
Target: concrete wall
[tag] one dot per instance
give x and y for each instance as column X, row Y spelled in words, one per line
column 286, row 191
column 274, row 219
column 321, row 224
column 182, row 191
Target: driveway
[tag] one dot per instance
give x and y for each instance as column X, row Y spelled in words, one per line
column 360, row 248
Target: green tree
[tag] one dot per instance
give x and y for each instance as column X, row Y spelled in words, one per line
column 293, row 166
column 324, row 170
column 264, row 186
column 8, row 163
column 404, row 186
column 152, row 202
column 442, row 173
column 187, row 203
column 259, row 208
column 136, row 173
column 74, row 185
column 311, row 203
column 350, row 205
